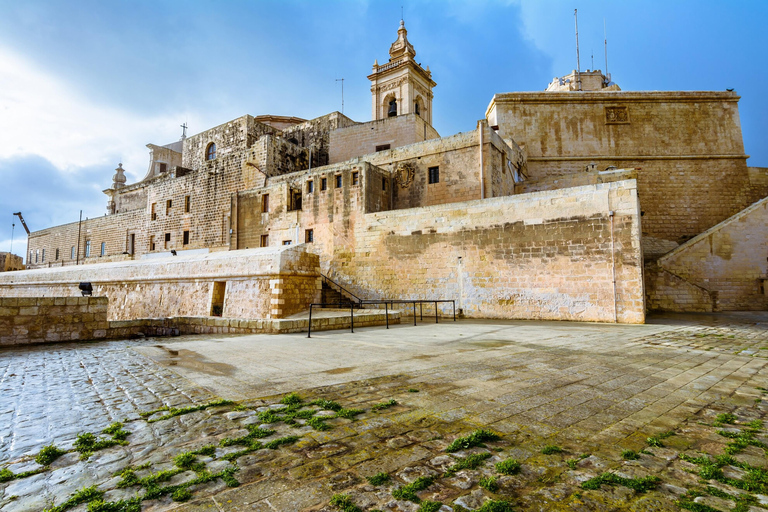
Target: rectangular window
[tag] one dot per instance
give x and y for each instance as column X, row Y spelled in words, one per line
column 286, row 242
column 324, row 184
column 382, row 147
column 87, row 248
column 154, row 211
column 186, row 204
column 42, row 260
column 434, row 175
column 167, row 240
column 168, row 205
column 57, row 255
column 186, row 238
column 152, row 243
column 103, row 249
column 131, row 243
column 355, row 178
column 338, row 181
column 384, row 184
column 163, row 168
column 72, row 253
column 309, row 236
column 310, row 186
column 264, row 241
column 265, row 203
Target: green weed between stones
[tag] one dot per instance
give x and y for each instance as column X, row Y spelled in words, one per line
column 656, row 440
column 629, row 455
column 429, row 506
column 495, row 506
column 48, row 454
column 87, row 443
column 472, row 461
column 408, row 492
column 131, row 505
column 476, row 438
column 384, row 405
column 755, row 478
column 84, row 495
column 489, row 483
column 508, row 467
column 277, row 443
column 172, row 412
column 723, row 419
column 412, row 390
column 378, row 479
column 344, row 503
column 551, row 449
column 743, row 501
column 637, row 484
column 573, row 463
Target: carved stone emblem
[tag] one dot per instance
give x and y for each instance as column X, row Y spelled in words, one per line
column 616, row 115
column 404, row 174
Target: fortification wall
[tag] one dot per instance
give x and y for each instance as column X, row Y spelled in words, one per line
column 686, row 146
column 260, row 283
column 546, row 255
column 728, row 260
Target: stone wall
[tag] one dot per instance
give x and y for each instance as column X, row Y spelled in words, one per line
column 260, row 283
column 686, row 146
column 729, row 261
column 546, row 255
column 10, row 262
column 364, row 138
column 51, row 319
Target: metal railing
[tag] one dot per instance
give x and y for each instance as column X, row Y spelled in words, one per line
column 387, row 305
column 342, row 290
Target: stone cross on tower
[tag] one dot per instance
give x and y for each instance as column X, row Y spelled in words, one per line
column 401, row 86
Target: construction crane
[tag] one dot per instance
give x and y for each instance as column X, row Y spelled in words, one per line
column 22, row 222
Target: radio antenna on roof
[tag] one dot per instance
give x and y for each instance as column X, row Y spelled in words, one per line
column 605, row 41
column 578, row 64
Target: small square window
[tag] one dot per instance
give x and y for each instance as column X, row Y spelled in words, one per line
column 310, row 186
column 309, row 236
column 434, row 175
column 338, row 181
column 163, row 168
column 355, row 178
column 324, row 184
column 382, row 147
column 265, row 203
column 286, row 242
column 264, row 241
column 186, row 237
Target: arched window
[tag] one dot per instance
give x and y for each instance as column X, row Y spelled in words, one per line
column 210, row 151
column 416, row 108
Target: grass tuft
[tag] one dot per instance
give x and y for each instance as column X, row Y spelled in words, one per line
column 489, row 483
column 508, row 467
column 472, row 461
column 384, row 405
column 378, row 479
column 48, row 454
column 408, row 492
column 637, row 484
column 629, row 455
column 551, row 449
column 476, row 438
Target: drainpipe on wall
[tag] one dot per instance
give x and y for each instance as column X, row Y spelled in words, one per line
column 482, row 174
column 613, row 269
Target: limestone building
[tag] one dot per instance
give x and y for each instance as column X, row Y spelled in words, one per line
column 581, row 202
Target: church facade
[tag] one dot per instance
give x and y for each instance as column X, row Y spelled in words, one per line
column 560, row 204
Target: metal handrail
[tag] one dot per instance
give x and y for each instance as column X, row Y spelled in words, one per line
column 341, row 288
column 387, row 304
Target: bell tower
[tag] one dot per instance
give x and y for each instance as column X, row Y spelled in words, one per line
column 401, row 86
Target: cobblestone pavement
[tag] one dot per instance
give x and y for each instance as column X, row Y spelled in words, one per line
column 666, row 416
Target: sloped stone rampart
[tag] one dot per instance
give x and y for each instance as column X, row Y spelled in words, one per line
column 729, row 261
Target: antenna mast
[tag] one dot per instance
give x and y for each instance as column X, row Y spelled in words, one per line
column 605, row 41
column 578, row 64
column 342, row 93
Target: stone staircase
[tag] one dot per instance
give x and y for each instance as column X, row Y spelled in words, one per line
column 331, row 295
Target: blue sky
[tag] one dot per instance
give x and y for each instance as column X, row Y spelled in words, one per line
column 85, row 85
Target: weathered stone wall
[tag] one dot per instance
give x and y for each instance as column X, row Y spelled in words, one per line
column 9, row 262
column 231, row 137
column 316, row 134
column 574, row 180
column 363, row 138
column 546, row 255
column 668, row 292
column 728, row 261
column 687, row 147
column 50, row 319
column 260, row 283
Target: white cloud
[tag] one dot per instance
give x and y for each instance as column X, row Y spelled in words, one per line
column 42, row 115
